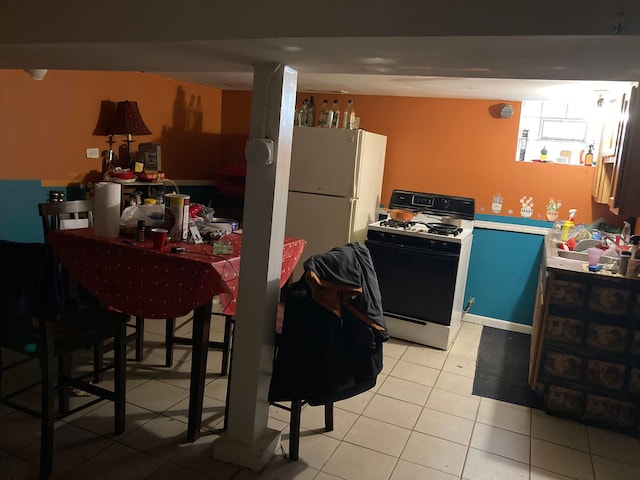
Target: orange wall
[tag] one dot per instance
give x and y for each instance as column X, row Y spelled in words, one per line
column 449, row 146
column 435, row 145
column 236, row 113
column 45, row 126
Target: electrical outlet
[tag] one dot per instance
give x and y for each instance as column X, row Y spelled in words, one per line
column 469, row 304
column 93, row 153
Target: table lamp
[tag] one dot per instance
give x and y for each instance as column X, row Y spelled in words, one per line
column 128, row 121
column 103, row 128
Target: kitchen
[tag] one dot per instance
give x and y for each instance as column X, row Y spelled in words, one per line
column 481, row 155
column 438, row 175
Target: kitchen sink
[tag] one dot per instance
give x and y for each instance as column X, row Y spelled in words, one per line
column 583, row 256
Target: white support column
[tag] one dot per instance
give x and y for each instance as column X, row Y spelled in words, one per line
column 248, row 442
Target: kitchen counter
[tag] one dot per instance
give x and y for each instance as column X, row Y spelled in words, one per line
column 553, row 262
column 585, row 345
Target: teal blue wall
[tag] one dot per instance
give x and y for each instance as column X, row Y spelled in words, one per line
column 19, row 217
column 19, row 210
column 503, row 270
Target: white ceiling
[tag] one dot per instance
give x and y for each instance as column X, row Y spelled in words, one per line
column 417, row 86
column 495, row 49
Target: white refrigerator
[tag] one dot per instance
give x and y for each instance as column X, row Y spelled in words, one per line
column 334, row 187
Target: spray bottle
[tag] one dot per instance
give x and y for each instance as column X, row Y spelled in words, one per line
column 568, row 225
column 634, row 261
column 625, row 237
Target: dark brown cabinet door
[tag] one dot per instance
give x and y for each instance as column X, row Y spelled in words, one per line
column 625, row 194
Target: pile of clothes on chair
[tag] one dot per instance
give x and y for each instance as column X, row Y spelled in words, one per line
column 333, row 329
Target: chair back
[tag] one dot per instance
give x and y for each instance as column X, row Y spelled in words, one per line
column 75, row 209
column 31, row 284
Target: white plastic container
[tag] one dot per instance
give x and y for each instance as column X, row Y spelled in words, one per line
column 178, row 204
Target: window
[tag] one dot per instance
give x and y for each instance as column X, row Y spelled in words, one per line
column 558, row 132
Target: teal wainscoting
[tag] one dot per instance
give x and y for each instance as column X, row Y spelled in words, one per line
column 504, row 267
column 19, row 211
column 19, row 215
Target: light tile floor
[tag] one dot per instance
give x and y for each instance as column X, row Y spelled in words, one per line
column 419, row 422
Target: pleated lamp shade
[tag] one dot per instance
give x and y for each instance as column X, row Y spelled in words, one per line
column 105, row 118
column 128, row 120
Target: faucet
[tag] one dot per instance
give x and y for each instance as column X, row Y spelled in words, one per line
column 606, row 237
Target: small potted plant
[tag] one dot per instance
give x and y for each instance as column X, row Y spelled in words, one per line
column 526, row 210
column 553, row 208
column 496, row 205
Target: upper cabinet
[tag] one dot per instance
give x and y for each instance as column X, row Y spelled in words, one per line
column 618, row 169
column 625, row 194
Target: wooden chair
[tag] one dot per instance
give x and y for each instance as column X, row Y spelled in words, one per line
column 83, row 210
column 35, row 322
column 225, row 345
column 294, row 407
column 51, row 214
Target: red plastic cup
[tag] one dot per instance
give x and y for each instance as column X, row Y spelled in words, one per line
column 159, row 236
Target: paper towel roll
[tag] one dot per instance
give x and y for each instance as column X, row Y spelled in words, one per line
column 106, row 209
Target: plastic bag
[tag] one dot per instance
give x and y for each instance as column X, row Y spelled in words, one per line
column 153, row 216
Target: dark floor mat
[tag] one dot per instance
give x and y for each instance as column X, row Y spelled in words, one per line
column 503, row 368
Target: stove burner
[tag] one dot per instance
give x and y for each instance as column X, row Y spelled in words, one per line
column 444, row 229
column 395, row 223
column 435, row 228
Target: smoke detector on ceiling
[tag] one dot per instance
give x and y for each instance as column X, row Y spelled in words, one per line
column 37, row 73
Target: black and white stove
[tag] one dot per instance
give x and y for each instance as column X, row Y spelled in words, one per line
column 422, row 265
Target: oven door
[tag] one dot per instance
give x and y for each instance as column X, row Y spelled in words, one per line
column 416, row 284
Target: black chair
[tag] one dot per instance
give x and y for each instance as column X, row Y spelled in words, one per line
column 51, row 214
column 330, row 345
column 36, row 323
column 294, row 407
column 224, row 345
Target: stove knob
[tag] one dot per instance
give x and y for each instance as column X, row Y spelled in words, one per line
column 446, row 203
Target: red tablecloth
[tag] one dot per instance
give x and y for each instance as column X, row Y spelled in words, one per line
column 134, row 278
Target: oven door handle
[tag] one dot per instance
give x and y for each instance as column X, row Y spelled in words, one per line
column 417, row 251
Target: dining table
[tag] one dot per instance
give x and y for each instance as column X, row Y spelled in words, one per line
column 134, row 278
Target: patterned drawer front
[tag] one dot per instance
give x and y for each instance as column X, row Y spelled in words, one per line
column 605, row 410
column 635, row 343
column 562, row 365
column 611, row 338
column 636, row 309
column 565, row 330
column 634, row 380
column 564, row 401
column 568, row 294
column 605, row 374
column 609, row 300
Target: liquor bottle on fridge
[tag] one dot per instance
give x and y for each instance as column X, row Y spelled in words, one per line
column 335, row 121
column 336, row 180
column 349, row 120
column 301, row 114
column 326, row 115
column 311, row 113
